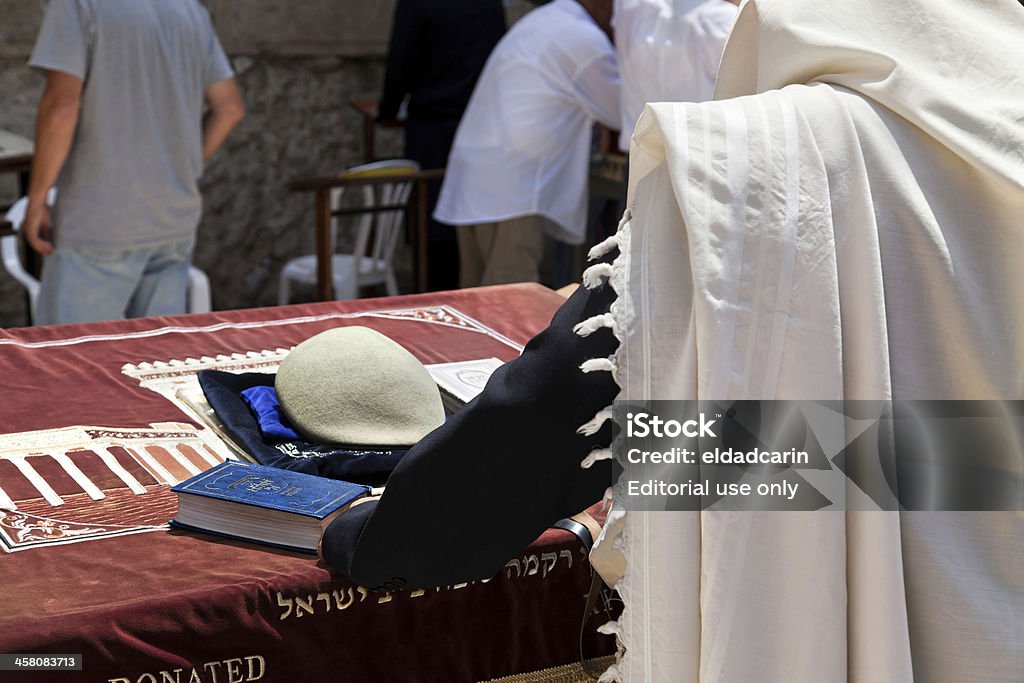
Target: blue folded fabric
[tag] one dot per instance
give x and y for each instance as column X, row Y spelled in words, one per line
column 273, row 423
column 357, row 464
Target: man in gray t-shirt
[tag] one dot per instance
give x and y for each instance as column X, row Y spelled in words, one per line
column 122, row 133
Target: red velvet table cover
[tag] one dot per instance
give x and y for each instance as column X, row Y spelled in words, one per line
column 92, row 437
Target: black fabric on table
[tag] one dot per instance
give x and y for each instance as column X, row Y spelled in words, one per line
column 482, row 487
column 359, row 465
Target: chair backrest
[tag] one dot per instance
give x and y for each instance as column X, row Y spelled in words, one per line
column 11, row 253
column 378, row 232
column 198, row 295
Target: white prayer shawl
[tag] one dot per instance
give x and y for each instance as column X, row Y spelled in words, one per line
column 846, row 223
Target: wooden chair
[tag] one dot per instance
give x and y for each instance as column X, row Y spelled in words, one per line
column 378, row 228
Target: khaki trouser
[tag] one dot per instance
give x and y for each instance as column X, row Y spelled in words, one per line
column 502, row 252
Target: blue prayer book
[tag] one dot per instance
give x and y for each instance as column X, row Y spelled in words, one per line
column 263, row 504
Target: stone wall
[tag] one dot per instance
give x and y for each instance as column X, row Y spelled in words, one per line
column 298, row 64
column 280, row 27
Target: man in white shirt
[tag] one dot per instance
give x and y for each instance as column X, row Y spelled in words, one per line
column 668, row 51
column 518, row 168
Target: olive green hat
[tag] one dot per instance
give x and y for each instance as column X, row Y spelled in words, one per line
column 354, row 386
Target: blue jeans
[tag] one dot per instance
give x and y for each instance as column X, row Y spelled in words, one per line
column 85, row 284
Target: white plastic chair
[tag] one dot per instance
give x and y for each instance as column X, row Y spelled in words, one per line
column 197, row 298
column 377, row 233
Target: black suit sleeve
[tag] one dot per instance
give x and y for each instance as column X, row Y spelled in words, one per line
column 482, row 487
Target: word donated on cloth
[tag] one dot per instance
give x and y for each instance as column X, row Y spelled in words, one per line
column 231, row 670
column 820, row 455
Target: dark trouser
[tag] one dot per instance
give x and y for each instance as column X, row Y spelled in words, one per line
column 428, row 142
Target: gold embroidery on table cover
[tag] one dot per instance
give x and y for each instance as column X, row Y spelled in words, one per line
column 580, row 672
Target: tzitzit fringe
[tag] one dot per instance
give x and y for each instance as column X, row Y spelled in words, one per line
column 602, row 248
column 592, row 275
column 613, row 242
column 597, row 322
column 592, row 278
column 595, row 424
column 599, row 365
column 596, row 455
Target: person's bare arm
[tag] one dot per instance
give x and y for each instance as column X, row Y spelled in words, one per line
column 225, row 112
column 55, row 128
